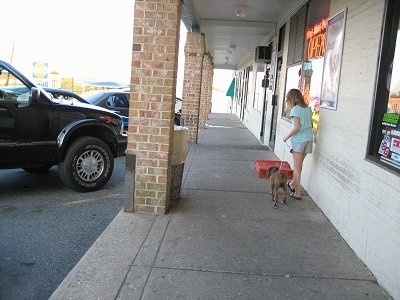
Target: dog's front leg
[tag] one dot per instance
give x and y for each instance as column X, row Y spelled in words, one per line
column 275, row 196
column 284, row 193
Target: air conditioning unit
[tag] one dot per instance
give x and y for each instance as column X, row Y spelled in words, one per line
column 263, row 54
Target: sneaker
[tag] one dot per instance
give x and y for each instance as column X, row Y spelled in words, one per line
column 294, row 197
column 290, row 188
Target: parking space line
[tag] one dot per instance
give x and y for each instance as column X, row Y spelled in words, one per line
column 88, row 200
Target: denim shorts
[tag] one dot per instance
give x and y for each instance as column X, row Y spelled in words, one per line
column 302, row 147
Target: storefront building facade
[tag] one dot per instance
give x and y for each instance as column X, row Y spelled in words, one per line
column 345, row 58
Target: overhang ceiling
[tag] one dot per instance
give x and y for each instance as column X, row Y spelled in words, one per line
column 234, row 28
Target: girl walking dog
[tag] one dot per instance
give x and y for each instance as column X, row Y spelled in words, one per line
column 301, row 137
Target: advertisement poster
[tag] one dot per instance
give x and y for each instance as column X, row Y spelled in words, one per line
column 332, row 61
column 390, row 145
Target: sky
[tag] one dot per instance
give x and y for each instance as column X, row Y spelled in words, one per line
column 87, row 39
column 83, row 38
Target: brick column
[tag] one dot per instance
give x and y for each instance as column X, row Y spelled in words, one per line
column 151, row 110
column 192, row 79
column 205, row 87
column 210, row 87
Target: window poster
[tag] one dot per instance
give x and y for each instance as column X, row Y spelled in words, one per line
column 390, row 144
column 312, row 71
column 293, row 76
column 332, row 61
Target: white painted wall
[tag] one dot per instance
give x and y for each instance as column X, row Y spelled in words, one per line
column 361, row 199
column 252, row 120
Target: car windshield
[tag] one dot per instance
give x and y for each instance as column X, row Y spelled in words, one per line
column 92, row 96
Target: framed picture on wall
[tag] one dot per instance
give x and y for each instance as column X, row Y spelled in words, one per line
column 332, row 61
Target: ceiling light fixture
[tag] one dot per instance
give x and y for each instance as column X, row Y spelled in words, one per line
column 241, row 11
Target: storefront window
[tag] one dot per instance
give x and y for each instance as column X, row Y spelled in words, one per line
column 384, row 144
column 295, row 53
column 313, row 67
column 293, row 76
column 308, row 75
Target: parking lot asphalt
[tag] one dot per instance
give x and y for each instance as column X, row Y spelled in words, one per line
column 222, row 239
column 46, row 228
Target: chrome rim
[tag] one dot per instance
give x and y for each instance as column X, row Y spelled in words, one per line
column 90, row 165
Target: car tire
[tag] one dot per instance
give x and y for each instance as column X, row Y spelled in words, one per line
column 87, row 165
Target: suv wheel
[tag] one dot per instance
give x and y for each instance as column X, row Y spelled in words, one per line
column 88, row 164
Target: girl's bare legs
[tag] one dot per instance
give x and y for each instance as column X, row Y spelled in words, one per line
column 298, row 159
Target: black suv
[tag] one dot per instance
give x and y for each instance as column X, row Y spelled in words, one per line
column 38, row 131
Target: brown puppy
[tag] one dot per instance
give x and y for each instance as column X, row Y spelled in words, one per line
column 278, row 179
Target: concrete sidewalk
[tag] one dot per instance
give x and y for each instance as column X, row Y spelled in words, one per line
column 222, row 239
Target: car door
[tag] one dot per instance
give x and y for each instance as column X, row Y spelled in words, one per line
column 119, row 103
column 25, row 127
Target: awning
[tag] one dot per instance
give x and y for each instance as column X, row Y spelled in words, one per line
column 231, row 90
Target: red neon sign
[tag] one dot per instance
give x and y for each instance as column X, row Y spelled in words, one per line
column 316, row 38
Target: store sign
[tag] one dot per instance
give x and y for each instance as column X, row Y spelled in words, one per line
column 40, row 73
column 316, row 40
column 40, row 70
